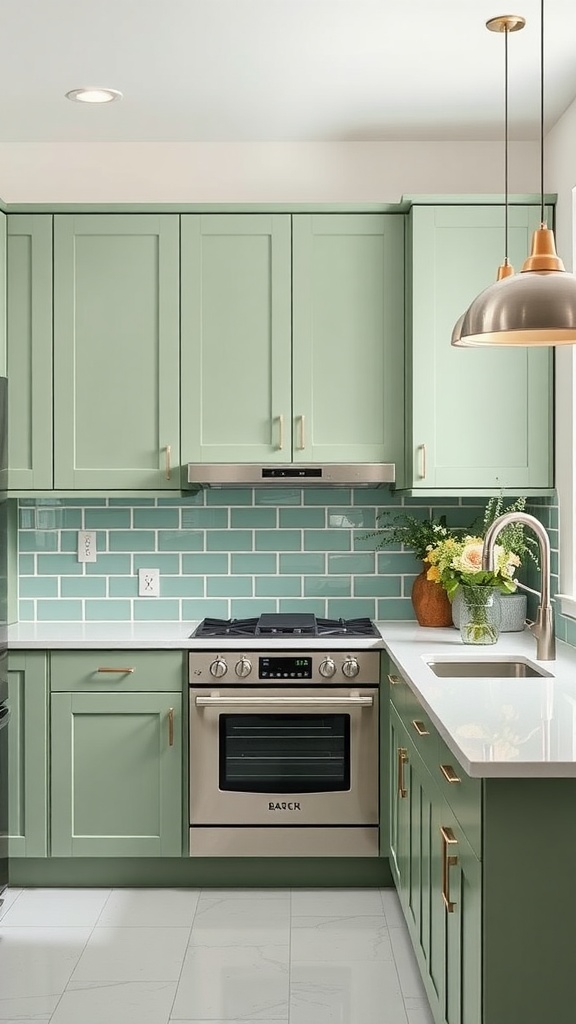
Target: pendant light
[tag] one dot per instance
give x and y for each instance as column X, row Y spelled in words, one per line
column 537, row 306
column 504, row 23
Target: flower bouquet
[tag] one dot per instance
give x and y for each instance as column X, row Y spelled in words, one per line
column 457, row 563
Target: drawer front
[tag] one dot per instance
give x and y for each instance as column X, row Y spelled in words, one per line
column 462, row 793
column 116, row 671
column 398, row 688
column 415, row 720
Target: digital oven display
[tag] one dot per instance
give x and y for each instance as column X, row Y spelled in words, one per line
column 285, row 668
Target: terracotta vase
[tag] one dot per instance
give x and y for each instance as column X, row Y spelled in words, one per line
column 430, row 602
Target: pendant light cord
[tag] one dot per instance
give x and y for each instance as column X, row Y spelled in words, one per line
column 506, row 145
column 542, row 218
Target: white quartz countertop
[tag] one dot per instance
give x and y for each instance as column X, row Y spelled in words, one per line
column 495, row 727
column 156, row 636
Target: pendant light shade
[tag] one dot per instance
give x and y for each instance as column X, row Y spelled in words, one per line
column 537, row 306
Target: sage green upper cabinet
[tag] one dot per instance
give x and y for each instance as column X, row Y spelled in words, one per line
column 480, row 417
column 292, row 338
column 116, row 351
column 348, row 337
column 236, row 338
column 29, row 351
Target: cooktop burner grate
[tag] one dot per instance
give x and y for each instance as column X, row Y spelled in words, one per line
column 274, row 626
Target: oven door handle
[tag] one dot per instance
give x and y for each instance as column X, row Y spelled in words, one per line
column 215, row 700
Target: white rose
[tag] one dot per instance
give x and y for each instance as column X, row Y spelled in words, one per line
column 471, row 558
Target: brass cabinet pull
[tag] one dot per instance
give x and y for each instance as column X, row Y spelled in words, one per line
column 280, row 432
column 420, row 727
column 302, row 444
column 170, row 727
column 422, row 450
column 448, row 839
column 402, row 760
column 449, row 773
column 394, row 680
column 118, row 671
column 168, row 460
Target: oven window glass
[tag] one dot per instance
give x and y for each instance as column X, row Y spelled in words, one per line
column 285, row 753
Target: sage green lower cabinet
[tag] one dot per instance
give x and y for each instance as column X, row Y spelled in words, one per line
column 116, row 774
column 28, row 755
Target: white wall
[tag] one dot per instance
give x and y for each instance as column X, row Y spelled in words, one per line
column 350, row 172
column 560, row 177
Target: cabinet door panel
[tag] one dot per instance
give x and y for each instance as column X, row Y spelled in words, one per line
column 116, row 356
column 29, row 351
column 116, row 778
column 348, row 337
column 27, row 755
column 236, row 338
column 399, row 809
column 461, row 398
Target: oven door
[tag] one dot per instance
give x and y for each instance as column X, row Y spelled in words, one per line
column 284, row 756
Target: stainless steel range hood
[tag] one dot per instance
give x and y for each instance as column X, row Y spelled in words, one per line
column 335, row 474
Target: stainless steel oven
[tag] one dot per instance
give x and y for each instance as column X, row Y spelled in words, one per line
column 284, row 752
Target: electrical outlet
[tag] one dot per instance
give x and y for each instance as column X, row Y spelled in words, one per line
column 148, row 583
column 86, row 545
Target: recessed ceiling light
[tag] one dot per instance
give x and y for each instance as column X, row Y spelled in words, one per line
column 93, row 94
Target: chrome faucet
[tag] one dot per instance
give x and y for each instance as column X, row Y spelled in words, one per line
column 543, row 628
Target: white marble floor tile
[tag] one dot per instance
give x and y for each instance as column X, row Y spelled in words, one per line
column 246, row 894
column 231, row 922
column 8, row 897
column 133, row 954
column 346, row 993
column 152, row 908
column 225, row 984
column 35, row 967
column 116, row 1002
column 336, row 902
column 52, row 908
column 408, row 973
column 324, row 939
column 418, row 1011
column 392, row 909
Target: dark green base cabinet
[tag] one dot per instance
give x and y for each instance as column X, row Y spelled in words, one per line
column 486, row 875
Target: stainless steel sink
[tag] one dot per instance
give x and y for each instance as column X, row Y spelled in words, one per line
column 485, row 667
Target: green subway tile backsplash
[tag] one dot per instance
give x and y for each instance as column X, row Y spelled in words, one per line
column 231, row 552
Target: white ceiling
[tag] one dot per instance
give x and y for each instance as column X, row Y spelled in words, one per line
column 205, row 72
column 279, row 70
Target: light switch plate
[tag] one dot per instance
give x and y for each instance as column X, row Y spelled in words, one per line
column 148, row 582
column 86, row 545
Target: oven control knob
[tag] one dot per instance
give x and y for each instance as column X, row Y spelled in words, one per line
column 218, row 668
column 243, row 667
column 350, row 667
column 327, row 668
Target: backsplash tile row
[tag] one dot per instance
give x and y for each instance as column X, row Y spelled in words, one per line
column 226, row 553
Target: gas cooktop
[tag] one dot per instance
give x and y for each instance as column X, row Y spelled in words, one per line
column 292, row 624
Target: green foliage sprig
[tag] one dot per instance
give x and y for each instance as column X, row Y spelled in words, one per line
column 406, row 529
column 512, row 538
